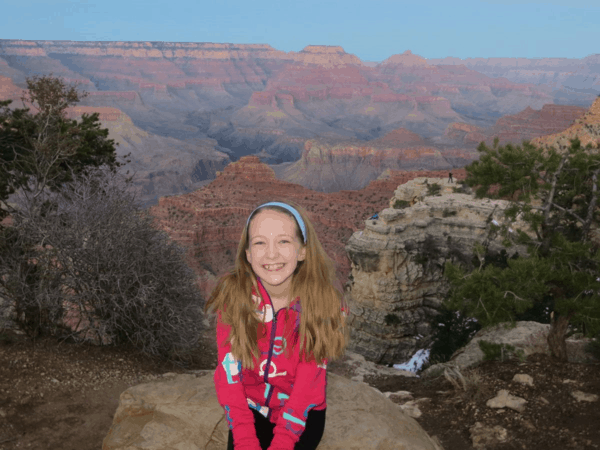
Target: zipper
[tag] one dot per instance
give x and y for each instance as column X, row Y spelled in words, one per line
column 271, row 343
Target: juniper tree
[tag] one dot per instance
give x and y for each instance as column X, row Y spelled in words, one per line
column 47, row 147
column 555, row 194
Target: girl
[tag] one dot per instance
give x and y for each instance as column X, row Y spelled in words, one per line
column 279, row 320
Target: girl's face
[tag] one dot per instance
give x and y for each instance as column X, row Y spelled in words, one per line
column 274, row 250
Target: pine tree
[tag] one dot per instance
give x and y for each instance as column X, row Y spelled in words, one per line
column 556, row 195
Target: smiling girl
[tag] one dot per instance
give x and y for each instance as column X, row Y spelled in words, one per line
column 279, row 320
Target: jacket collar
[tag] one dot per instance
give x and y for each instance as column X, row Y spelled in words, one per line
column 265, row 295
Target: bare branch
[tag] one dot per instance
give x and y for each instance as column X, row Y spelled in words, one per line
column 592, row 205
column 568, row 211
column 550, row 198
column 117, row 264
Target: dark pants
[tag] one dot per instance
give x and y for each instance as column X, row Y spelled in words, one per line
column 310, row 438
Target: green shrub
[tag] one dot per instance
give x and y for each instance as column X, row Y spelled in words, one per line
column 401, row 204
column 434, row 189
column 451, row 330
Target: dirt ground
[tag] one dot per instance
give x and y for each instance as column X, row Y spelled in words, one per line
column 56, row 395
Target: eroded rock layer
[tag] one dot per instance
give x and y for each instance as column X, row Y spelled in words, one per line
column 396, row 283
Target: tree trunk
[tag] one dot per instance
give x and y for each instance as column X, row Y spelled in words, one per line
column 556, row 337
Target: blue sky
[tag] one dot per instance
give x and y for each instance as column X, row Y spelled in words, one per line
column 372, row 30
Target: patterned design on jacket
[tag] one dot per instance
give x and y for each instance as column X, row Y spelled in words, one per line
column 281, row 387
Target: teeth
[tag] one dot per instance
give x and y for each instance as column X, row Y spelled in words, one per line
column 273, row 267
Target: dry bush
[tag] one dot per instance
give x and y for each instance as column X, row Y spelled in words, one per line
column 90, row 254
column 470, row 385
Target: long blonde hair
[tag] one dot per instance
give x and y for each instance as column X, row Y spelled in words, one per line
column 323, row 331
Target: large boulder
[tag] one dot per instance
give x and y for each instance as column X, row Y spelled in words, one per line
column 526, row 336
column 181, row 412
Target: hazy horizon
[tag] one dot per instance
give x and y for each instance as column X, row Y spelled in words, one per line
column 372, row 32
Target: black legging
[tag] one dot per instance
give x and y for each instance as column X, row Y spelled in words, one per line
column 310, row 438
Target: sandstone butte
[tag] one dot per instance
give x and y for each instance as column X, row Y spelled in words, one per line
column 209, row 221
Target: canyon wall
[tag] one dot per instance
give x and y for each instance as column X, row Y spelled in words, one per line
column 396, row 284
column 586, row 128
column 526, row 125
column 254, row 99
column 329, row 165
column 570, row 81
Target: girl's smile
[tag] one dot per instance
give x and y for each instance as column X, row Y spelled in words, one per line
column 274, row 251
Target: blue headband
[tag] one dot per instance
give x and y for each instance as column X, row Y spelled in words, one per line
column 290, row 209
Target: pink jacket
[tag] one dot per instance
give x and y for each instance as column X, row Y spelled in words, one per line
column 281, row 388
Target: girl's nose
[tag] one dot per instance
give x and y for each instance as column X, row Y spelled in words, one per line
column 272, row 249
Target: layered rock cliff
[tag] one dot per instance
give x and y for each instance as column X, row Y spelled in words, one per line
column 586, row 128
column 222, row 91
column 396, row 284
column 571, row 81
column 524, row 126
column 329, row 165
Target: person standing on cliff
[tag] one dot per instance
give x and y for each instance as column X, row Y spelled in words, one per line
column 450, row 178
column 279, row 320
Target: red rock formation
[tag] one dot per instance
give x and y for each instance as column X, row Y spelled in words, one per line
column 530, row 124
column 397, row 138
column 10, row 91
column 406, row 59
column 586, row 127
column 527, row 125
column 105, row 114
column 209, row 221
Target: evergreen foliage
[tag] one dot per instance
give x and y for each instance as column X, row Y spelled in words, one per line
column 47, row 147
column 451, row 330
column 556, row 195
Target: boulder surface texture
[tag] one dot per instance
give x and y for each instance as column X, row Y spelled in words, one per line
column 181, row 412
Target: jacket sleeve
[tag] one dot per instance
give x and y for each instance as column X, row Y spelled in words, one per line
column 309, row 391
column 231, row 393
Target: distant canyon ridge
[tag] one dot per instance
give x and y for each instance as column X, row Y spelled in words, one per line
column 320, row 118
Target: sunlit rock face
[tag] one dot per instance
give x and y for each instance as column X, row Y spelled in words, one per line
column 586, row 128
column 396, row 284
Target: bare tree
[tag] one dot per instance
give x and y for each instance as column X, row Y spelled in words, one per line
column 89, row 253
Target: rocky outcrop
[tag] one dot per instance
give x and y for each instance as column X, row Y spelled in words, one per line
column 526, row 125
column 525, row 337
column 586, row 128
column 396, row 283
column 182, row 411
